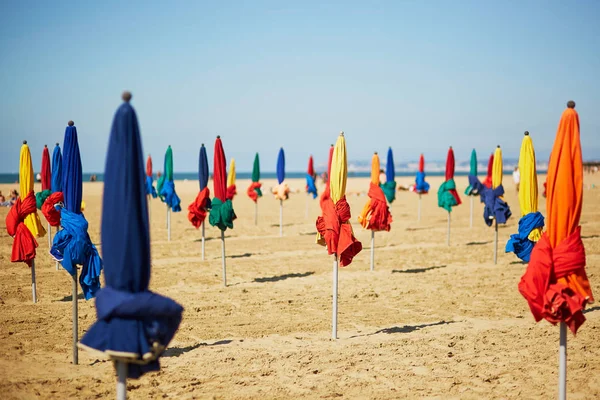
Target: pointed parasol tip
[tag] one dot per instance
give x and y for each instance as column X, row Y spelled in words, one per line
column 571, row 104
column 526, row 133
column 57, row 144
column 341, row 133
column 126, row 96
column 375, row 153
column 24, row 141
column 70, row 123
column 498, row 146
column 218, row 136
column 45, row 146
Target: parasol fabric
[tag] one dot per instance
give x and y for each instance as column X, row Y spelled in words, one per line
column 150, row 189
column 375, row 215
column 72, row 245
column 475, row 186
column 198, row 209
column 488, row 178
column 167, row 191
column 311, row 177
column 281, row 190
column 447, row 195
column 327, row 192
column 231, row 189
column 26, row 178
column 134, row 324
column 56, row 170
column 222, row 214
column 51, row 208
column 389, row 187
column 24, row 243
column 254, row 191
column 333, row 227
column 46, row 177
column 494, row 205
column 421, row 187
column 532, row 221
column 555, row 283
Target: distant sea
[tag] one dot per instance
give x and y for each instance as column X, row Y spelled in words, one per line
column 13, row 178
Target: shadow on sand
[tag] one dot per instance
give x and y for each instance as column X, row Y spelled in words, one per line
column 245, row 255
column 590, row 237
column 282, row 277
column 405, row 328
column 307, row 233
column 206, row 239
column 596, row 308
column 70, row 298
column 416, row 270
column 177, row 351
column 478, row 243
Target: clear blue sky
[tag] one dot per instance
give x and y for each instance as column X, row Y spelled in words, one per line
column 415, row 75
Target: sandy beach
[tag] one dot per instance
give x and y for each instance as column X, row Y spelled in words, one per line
column 431, row 321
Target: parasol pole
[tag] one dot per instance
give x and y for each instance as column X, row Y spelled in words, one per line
column 335, row 298
column 471, row 211
column 121, row 380
column 495, row 241
column 419, row 210
column 448, row 235
column 280, row 218
column 33, row 291
column 75, row 320
column 57, row 229
column 223, row 258
column 203, row 240
column 372, row 250
column 168, row 223
column 562, row 363
column 256, row 213
column 49, row 235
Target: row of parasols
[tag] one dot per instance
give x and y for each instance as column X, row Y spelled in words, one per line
column 135, row 325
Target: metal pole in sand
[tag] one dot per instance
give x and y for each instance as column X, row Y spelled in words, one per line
column 495, row 241
column 169, row 224
column 223, row 258
column 57, row 228
column 33, row 291
column 75, row 321
column 256, row 212
column 471, row 211
column 372, row 250
column 335, row 298
column 562, row 363
column 280, row 218
column 203, row 240
column 121, row 380
column 49, row 235
column 448, row 236
column 419, row 210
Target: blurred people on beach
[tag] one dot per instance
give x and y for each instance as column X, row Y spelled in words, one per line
column 517, row 178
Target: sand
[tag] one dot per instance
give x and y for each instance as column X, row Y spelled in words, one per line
column 431, row 321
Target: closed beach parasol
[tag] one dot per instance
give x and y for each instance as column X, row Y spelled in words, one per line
column 447, row 195
column 532, row 221
column 22, row 220
column 46, row 178
column 72, row 245
column 475, row 187
column 221, row 212
column 326, row 195
column 333, row 227
column 56, row 169
column 198, row 208
column 231, row 190
column 254, row 191
column 555, row 283
column 150, row 189
column 134, row 325
column 52, row 205
column 496, row 210
column 375, row 214
column 281, row 191
column 490, row 168
column 389, row 187
column 421, row 187
column 311, row 184
column 167, row 190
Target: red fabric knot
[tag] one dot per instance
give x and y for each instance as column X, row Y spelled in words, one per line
column 50, row 212
column 547, row 298
column 380, row 214
column 231, row 192
column 24, row 244
column 197, row 210
column 252, row 192
column 336, row 231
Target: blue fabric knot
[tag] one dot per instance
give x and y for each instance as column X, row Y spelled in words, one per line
column 311, row 187
column 168, row 195
column 150, row 190
column 138, row 326
column 475, row 186
column 520, row 243
column 420, row 185
column 72, row 246
column 494, row 206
